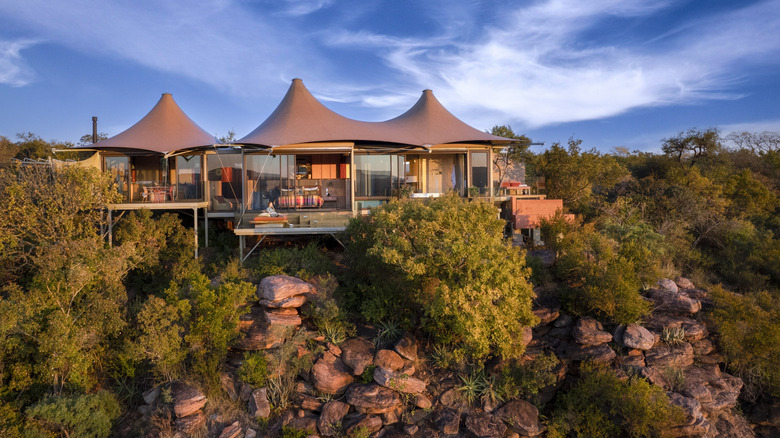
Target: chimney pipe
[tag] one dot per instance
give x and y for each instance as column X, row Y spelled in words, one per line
column 94, row 129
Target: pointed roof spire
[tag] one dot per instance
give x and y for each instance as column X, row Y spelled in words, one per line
column 433, row 124
column 164, row 129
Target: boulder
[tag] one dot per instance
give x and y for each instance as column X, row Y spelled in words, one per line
column 729, row 423
column 407, row 347
column 186, row 399
column 284, row 316
column 673, row 302
column 295, row 301
column 369, row 424
column 638, row 337
column 546, row 315
column 333, row 413
column 695, row 423
column 422, row 401
column 596, row 353
column 330, row 375
column 563, row 320
column 389, row 360
column 308, row 402
column 667, row 284
column 357, row 353
column 372, row 399
column 663, row 355
column 398, row 382
column 702, row 347
column 303, row 421
column 447, row 420
column 684, row 283
column 528, row 335
column 279, row 287
column 522, row 417
column 588, row 331
column 258, row 404
column 250, row 433
column 485, row 425
column 229, row 385
column 232, row 431
column 715, row 391
column 258, row 334
column 190, row 424
column 151, row 395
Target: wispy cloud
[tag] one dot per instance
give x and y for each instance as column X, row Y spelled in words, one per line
column 538, row 68
column 304, row 7
column 14, row 71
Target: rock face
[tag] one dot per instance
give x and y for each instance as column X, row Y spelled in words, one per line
column 332, row 414
column 666, row 300
column 373, row 399
column 398, row 382
column 588, row 331
column 284, row 316
column 389, row 360
column 258, row 404
column 279, row 287
column 295, row 301
column 485, row 425
column 666, row 355
column 187, row 400
column 191, row 423
column 232, row 431
column 636, row 336
column 357, row 353
column 330, row 375
column 447, row 421
column 522, row 417
column 596, row 353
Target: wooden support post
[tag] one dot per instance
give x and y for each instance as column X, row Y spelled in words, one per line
column 195, row 215
column 110, row 228
column 206, row 225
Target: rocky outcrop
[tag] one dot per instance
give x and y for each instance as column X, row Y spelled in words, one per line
column 587, row 331
column 522, row 417
column 277, row 288
column 330, row 375
column 398, row 382
column 357, row 353
column 373, row 399
column 637, row 337
column 187, row 400
column 330, row 419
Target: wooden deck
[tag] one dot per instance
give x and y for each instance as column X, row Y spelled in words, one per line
column 263, row 232
column 159, row 205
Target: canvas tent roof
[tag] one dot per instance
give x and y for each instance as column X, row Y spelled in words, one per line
column 301, row 118
column 164, row 129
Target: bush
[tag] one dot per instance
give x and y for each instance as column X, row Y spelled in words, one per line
column 303, row 263
column 254, row 369
column 82, row 415
column 441, row 262
column 527, row 379
column 749, row 338
column 601, row 405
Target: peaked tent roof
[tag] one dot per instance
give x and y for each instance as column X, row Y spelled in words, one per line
column 433, row 124
column 301, row 118
column 164, row 129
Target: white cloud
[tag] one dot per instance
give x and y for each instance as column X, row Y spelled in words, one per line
column 538, row 69
column 304, row 7
column 758, row 126
column 14, row 71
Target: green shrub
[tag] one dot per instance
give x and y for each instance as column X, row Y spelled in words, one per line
column 673, row 335
column 749, row 338
column 368, row 374
column 442, row 262
column 303, row 262
column 289, row 432
column 82, row 415
column 527, row 379
column 160, row 337
column 601, row 405
column 254, row 369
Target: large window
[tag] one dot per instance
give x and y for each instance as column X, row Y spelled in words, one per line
column 479, row 171
column 118, row 168
column 225, row 180
column 188, row 177
column 378, row 175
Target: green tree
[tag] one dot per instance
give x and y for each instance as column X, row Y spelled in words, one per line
column 81, row 415
column 516, row 154
column 692, row 145
column 449, row 267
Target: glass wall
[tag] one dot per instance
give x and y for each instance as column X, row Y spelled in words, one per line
column 188, row 177
column 479, row 171
column 225, row 179
column 378, row 175
column 438, row 173
column 118, row 167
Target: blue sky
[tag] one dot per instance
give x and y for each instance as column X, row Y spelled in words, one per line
column 611, row 72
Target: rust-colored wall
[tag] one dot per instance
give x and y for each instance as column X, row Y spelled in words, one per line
column 528, row 212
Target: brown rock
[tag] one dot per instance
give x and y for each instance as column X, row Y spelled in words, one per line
column 666, row 355
column 522, row 417
column 715, row 391
column 702, row 347
column 398, row 382
column 485, row 425
column 596, row 353
column 546, row 315
column 258, row 404
column 634, row 361
column 667, row 284
column 250, row 433
column 563, row 320
column 588, row 331
column 258, row 334
column 731, row 424
column 368, row 423
column 191, row 423
column 684, row 283
column 151, row 395
column 232, row 431
column 279, row 287
column 528, row 335
column 332, row 414
column 287, row 317
column 372, row 399
column 389, row 360
column 186, row 399
column 422, row 401
column 309, row 403
column 636, row 336
column 330, row 375
column 228, row 384
column 357, row 353
column 447, row 420
column 296, row 301
column 306, row 422
column 695, row 423
column 407, row 347
column 673, row 302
